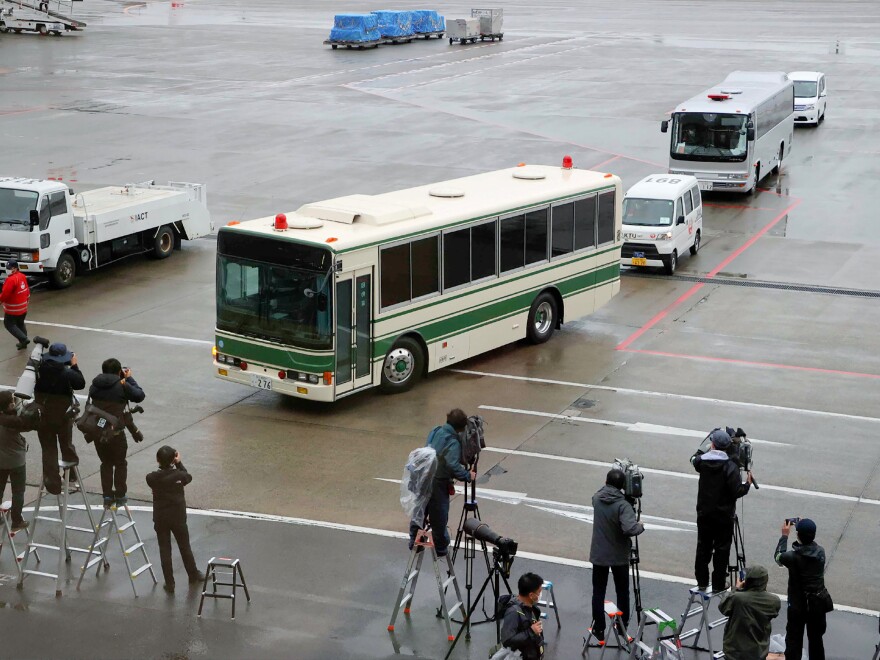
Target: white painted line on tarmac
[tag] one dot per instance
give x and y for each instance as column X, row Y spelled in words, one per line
column 670, row 395
column 125, row 333
column 580, row 512
column 370, row 531
column 637, row 427
column 681, row 475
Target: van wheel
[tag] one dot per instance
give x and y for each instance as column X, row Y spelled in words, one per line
column 696, row 246
column 542, row 319
column 403, row 364
column 64, row 273
column 163, row 244
column 671, row 263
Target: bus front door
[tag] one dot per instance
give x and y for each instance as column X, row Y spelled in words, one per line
column 354, row 327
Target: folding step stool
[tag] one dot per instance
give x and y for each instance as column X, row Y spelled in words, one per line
column 8, row 535
column 549, row 601
column 666, row 645
column 110, row 523
column 705, row 626
column 232, row 569
column 64, row 550
column 425, row 541
column 615, row 624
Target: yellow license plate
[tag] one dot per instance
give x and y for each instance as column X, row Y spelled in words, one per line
column 639, row 262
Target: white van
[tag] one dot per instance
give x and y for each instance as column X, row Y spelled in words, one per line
column 809, row 96
column 662, row 217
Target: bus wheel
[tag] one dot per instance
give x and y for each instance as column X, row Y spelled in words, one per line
column 65, row 271
column 542, row 319
column 778, row 168
column 754, row 188
column 163, row 244
column 671, row 263
column 402, row 366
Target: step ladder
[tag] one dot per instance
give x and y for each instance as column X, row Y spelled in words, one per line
column 698, row 606
column 424, row 544
column 549, row 601
column 116, row 522
column 615, row 625
column 63, row 549
column 7, row 535
column 666, row 646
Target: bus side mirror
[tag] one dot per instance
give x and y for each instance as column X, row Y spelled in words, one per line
column 664, row 125
column 35, row 218
column 680, row 220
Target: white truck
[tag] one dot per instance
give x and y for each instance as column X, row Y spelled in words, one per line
column 51, row 231
column 43, row 16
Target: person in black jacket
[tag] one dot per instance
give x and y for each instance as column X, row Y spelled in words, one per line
column 169, row 514
column 806, row 578
column 614, row 524
column 13, row 456
column 720, row 487
column 521, row 628
column 57, row 378
column 111, row 391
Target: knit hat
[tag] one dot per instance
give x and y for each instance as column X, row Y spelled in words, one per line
column 806, row 530
column 720, row 439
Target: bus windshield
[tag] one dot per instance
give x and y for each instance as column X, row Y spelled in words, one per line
column 647, row 212
column 806, row 89
column 16, row 206
column 709, row 137
column 288, row 303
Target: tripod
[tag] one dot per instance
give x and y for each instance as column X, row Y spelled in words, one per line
column 737, row 568
column 499, row 571
column 470, row 509
column 634, row 560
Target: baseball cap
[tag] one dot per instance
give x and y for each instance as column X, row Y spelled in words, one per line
column 720, row 439
column 11, row 263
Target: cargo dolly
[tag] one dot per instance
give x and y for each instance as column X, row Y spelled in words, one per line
column 360, row 45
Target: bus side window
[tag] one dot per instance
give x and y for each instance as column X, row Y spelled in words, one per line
column 606, row 217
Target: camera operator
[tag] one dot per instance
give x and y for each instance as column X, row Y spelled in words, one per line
column 749, row 611
column 58, row 377
column 720, row 487
column 445, row 441
column 13, row 456
column 521, row 627
column 808, row 600
column 111, row 391
column 614, row 523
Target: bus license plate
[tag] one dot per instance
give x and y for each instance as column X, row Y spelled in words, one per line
column 638, row 259
column 705, row 185
column 261, row 382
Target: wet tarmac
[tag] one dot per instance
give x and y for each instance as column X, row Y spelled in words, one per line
column 245, row 99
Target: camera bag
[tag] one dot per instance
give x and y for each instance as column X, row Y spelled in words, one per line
column 97, row 425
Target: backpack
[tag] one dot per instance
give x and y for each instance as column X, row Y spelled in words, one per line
column 417, row 482
column 473, row 441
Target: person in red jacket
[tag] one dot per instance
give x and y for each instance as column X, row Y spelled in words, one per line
column 14, row 296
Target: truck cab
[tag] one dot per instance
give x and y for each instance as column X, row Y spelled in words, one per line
column 662, row 217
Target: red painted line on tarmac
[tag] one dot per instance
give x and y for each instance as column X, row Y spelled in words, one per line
column 22, row 111
column 625, row 344
column 604, row 162
column 752, row 363
column 744, row 207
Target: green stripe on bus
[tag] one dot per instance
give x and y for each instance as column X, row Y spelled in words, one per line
column 277, row 357
column 500, row 309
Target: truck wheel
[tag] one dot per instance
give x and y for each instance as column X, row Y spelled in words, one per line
column 163, row 245
column 403, row 364
column 542, row 319
column 64, row 273
column 3, row 28
column 43, row 30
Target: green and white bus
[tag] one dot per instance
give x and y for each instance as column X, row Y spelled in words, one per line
column 368, row 290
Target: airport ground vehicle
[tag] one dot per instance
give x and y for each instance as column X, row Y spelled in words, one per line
column 734, row 134
column 51, row 231
column 41, row 16
column 362, row 290
column 810, row 97
column 662, row 218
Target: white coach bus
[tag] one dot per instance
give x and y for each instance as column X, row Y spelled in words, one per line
column 367, row 290
column 733, row 134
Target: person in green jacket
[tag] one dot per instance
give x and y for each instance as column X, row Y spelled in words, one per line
column 749, row 609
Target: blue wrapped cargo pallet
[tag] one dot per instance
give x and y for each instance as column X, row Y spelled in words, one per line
column 427, row 21
column 355, row 28
column 395, row 24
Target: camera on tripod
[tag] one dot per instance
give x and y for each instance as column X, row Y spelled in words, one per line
column 505, row 548
column 633, row 478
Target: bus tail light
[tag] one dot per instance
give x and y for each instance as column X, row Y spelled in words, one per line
column 328, row 378
column 282, row 375
column 213, row 351
column 243, row 365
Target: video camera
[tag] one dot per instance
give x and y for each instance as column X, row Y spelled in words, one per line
column 633, row 485
column 740, row 450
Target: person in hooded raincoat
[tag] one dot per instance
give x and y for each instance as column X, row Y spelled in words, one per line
column 749, row 611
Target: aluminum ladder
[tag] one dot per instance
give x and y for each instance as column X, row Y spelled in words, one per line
column 549, row 601
column 8, row 535
column 666, row 646
column 425, row 542
column 698, row 605
column 63, row 549
column 110, row 525
column 615, row 621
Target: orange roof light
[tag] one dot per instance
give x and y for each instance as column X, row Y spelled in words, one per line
column 232, row 223
column 332, row 239
column 608, row 176
column 521, row 165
